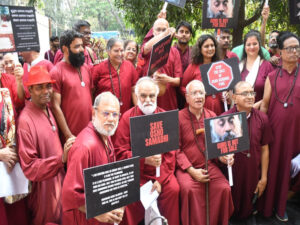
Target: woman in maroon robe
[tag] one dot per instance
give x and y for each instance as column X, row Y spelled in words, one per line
column 203, row 52
column 253, row 66
column 282, row 103
column 115, row 75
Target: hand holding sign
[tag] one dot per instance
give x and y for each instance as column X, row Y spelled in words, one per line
column 115, row 216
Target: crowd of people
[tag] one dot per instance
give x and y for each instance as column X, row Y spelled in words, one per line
column 69, row 110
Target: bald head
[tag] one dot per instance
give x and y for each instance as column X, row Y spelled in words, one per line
column 160, row 26
column 240, row 86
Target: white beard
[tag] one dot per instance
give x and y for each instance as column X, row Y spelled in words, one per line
column 147, row 110
column 101, row 130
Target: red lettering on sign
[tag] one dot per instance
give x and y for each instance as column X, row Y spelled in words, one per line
column 220, row 76
column 156, row 134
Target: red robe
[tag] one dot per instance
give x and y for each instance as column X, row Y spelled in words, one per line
column 76, row 101
column 40, row 153
column 212, row 102
column 169, row 197
column 246, row 171
column 45, row 63
column 285, row 123
column 128, row 78
column 88, row 61
column 9, row 81
column 192, row 193
column 173, row 69
column 87, row 151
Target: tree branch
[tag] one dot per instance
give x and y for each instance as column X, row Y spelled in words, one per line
column 254, row 17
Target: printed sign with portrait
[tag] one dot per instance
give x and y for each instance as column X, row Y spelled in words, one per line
column 220, row 13
column 294, row 6
column 226, row 134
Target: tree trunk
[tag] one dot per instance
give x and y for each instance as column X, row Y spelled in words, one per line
column 237, row 35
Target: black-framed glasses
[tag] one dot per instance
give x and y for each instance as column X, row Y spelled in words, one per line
column 292, row 48
column 247, row 93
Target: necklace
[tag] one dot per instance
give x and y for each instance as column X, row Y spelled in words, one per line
column 49, row 118
column 285, row 102
column 112, row 84
column 80, row 77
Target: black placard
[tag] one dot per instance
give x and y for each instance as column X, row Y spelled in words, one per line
column 220, row 14
column 154, row 134
column 226, row 134
column 159, row 54
column 220, row 76
column 18, row 29
column 111, row 186
column 178, row 3
column 294, row 6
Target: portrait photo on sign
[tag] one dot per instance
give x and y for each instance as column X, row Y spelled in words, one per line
column 226, row 134
column 220, row 13
column 226, row 128
column 7, row 42
column 294, row 7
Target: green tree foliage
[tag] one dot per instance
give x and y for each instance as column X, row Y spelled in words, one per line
column 141, row 14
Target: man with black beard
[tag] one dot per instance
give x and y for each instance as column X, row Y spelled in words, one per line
column 224, row 42
column 72, row 99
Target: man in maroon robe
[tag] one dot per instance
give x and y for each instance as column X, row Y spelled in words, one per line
column 83, row 27
column 250, row 167
column 41, row 155
column 146, row 91
column 171, row 73
column 93, row 147
column 31, row 59
column 282, row 103
column 191, row 172
column 72, row 100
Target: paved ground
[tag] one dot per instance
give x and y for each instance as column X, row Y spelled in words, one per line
column 293, row 211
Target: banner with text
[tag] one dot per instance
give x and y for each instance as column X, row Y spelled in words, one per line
column 154, row 134
column 220, row 14
column 159, row 54
column 220, row 76
column 226, row 134
column 18, row 29
column 111, row 186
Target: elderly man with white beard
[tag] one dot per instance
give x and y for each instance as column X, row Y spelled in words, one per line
column 146, row 91
column 93, row 147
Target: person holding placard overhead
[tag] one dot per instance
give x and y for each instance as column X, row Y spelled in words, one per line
column 191, row 173
column 116, row 74
column 253, row 66
column 281, row 101
column 203, row 52
column 250, row 168
column 93, row 147
column 166, row 184
column 169, row 75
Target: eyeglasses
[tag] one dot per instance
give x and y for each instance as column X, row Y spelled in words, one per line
column 144, row 96
column 195, row 93
column 247, row 93
column 106, row 114
column 292, row 48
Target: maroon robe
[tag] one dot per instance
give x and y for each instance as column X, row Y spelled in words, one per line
column 3, row 213
column 212, row 102
column 192, row 193
column 49, row 56
column 40, row 153
column 230, row 54
column 169, row 197
column 264, row 69
column 185, row 56
column 173, row 69
column 76, row 100
column 45, row 63
column 88, row 151
column 246, row 171
column 285, row 123
column 128, row 77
